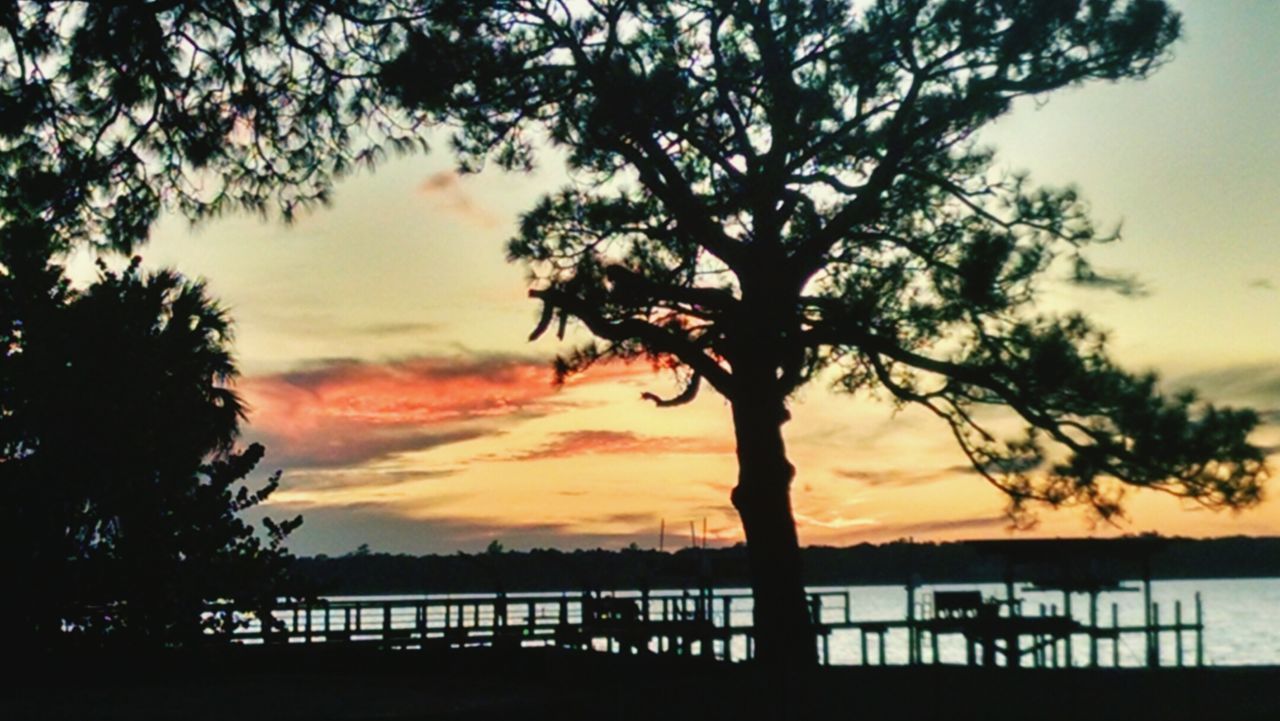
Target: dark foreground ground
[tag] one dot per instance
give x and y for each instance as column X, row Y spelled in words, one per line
column 318, row 684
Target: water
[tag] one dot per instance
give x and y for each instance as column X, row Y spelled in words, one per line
column 1240, row 617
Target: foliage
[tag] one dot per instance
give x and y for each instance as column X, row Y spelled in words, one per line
column 763, row 191
column 768, row 191
column 109, row 111
column 123, row 490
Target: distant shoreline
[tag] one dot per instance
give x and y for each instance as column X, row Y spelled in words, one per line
column 888, row 564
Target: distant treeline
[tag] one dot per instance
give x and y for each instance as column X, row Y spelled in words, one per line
column 367, row 572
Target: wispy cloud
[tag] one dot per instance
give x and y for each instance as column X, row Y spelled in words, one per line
column 339, row 480
column 329, row 324
column 896, row 478
column 445, row 189
column 599, row 442
column 834, row 522
column 382, row 330
column 942, row 527
column 340, row 529
column 1256, row 384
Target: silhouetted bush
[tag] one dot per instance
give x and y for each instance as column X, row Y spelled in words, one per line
column 122, row 484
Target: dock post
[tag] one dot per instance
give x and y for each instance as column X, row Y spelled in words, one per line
column 1154, row 631
column 913, row 647
column 1177, row 622
column 862, row 635
column 933, row 643
column 826, row 649
column 308, row 622
column 1199, row 631
column 1012, row 642
column 1153, row 658
column 1115, row 641
column 327, row 612
column 1093, row 629
column 1068, row 651
column 386, row 621
column 882, row 634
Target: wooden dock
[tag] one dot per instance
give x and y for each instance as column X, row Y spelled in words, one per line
column 702, row 622
column 996, row 630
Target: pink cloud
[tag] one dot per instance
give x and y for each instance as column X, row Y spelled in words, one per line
column 445, row 188
column 340, row 413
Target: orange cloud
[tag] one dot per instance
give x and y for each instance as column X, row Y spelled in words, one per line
column 342, row 413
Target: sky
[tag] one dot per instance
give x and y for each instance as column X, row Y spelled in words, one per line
column 384, row 355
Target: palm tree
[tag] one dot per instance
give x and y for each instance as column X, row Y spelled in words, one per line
column 124, row 479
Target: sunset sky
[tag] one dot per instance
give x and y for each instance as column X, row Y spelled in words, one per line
column 384, row 355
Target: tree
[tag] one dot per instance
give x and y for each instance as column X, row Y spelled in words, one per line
column 764, row 192
column 122, row 487
column 772, row 190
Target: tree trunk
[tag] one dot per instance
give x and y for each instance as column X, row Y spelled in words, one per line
column 784, row 634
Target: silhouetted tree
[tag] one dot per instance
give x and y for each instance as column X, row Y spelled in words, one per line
column 764, row 191
column 122, row 489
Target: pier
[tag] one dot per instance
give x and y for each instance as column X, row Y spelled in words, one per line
column 702, row 622
column 995, row 630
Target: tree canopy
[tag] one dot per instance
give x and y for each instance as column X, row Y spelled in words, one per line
column 763, row 193
column 767, row 191
column 123, row 492
column 794, row 177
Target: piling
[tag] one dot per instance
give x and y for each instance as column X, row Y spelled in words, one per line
column 1115, row 641
column 1177, row 622
column 1153, row 631
column 1199, row 632
column 913, row 647
column 1093, row 623
column 1153, row 655
column 1066, row 611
